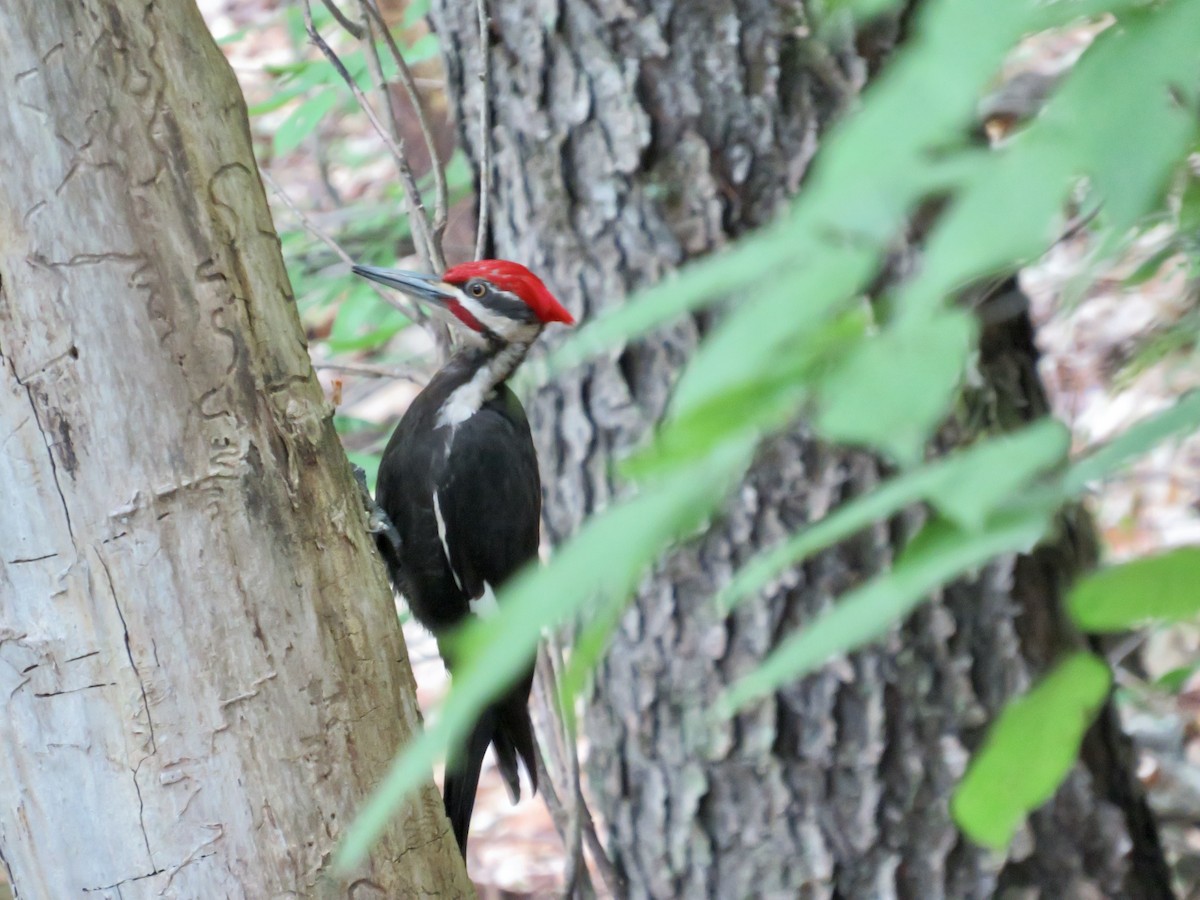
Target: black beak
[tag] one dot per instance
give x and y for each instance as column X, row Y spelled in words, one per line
column 428, row 288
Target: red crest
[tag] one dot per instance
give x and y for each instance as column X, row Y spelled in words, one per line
column 515, row 279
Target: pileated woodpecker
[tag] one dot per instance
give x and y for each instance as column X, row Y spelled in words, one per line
column 459, row 481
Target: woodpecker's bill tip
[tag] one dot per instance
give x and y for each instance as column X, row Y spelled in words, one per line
column 429, row 288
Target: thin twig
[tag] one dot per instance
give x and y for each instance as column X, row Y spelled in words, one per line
column 398, row 301
column 485, row 130
column 441, row 193
column 433, row 256
column 354, row 29
column 321, row 153
column 557, row 746
column 416, row 208
column 370, row 371
column 577, row 879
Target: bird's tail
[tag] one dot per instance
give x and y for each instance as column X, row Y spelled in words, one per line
column 507, row 726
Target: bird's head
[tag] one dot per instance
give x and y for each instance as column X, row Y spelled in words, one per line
column 500, row 301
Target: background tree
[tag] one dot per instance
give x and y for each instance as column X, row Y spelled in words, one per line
column 202, row 670
column 626, row 142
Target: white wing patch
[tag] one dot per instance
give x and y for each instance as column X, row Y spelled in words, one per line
column 484, row 606
column 441, row 527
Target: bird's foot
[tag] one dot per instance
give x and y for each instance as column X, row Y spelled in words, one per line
column 378, row 522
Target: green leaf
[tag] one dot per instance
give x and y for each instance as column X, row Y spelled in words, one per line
column 233, row 37
column 1131, row 156
column 796, row 306
column 1029, row 751
column 784, row 286
column 954, row 485
column 1183, row 417
column 364, row 321
column 1189, row 206
column 734, row 414
column 892, row 390
column 698, row 284
column 1166, row 586
column 415, row 11
column 1174, row 680
column 862, row 10
column 940, row 552
column 1151, row 266
column 586, row 651
column 758, row 406
column 302, row 121
column 975, row 483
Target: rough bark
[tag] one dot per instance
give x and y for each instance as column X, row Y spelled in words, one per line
column 201, row 666
column 628, row 138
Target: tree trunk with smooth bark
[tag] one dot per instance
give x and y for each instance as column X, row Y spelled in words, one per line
column 627, row 139
column 201, row 667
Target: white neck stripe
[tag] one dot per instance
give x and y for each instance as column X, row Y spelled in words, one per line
column 467, row 399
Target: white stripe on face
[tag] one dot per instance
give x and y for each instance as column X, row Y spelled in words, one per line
column 508, row 330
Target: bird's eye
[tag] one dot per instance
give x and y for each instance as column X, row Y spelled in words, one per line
column 478, row 289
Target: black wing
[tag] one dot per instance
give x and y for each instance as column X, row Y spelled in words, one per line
column 491, row 498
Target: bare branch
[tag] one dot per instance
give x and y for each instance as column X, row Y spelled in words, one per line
column 485, row 130
column 354, row 29
column 441, row 194
column 370, row 371
column 559, row 751
column 416, row 208
column 398, row 301
column 432, row 256
column 558, row 746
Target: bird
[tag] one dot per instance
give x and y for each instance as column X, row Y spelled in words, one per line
column 459, row 482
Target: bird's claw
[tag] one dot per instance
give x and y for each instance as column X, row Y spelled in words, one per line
column 387, row 538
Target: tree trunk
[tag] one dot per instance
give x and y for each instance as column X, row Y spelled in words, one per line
column 629, row 138
column 202, row 668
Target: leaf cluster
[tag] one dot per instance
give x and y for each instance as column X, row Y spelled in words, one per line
column 1117, row 131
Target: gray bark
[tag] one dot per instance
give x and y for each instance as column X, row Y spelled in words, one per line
column 629, row 138
column 201, row 666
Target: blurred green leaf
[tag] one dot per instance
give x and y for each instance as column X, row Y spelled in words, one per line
column 1165, row 587
column 789, row 284
column 1128, row 155
column 352, row 424
column 1150, row 267
column 1175, row 679
column 891, row 390
column 1131, row 157
column 939, row 553
column 761, row 406
column 1189, row 206
column 1160, row 344
column 302, row 121
column 973, row 484
column 414, row 11
column 233, row 37
column 1184, row 416
column 861, row 10
column 966, row 487
column 364, row 321
column 1029, row 751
